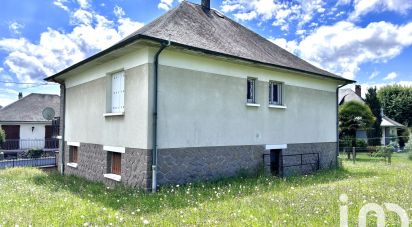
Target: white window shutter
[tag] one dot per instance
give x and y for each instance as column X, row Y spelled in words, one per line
column 118, row 92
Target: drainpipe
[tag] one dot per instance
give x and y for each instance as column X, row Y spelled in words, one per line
column 337, row 122
column 62, row 126
column 155, row 101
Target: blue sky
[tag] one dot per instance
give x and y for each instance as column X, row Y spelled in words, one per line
column 366, row 40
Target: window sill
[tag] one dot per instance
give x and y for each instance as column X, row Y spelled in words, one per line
column 252, row 104
column 59, row 137
column 112, row 176
column 113, row 114
column 277, row 106
column 72, row 164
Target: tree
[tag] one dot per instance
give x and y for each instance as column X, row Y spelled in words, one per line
column 374, row 104
column 354, row 115
column 396, row 101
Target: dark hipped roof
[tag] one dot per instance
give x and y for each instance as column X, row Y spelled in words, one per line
column 347, row 94
column 30, row 108
column 190, row 26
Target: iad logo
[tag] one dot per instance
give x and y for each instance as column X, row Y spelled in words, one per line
column 372, row 207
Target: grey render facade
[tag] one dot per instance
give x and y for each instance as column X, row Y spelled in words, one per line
column 214, row 113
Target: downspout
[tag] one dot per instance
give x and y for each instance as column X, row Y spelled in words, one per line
column 337, row 122
column 62, row 125
column 155, row 101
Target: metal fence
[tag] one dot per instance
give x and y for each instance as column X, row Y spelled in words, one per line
column 41, row 162
column 26, row 144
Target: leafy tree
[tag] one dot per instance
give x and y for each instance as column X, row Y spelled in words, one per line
column 374, row 104
column 354, row 115
column 396, row 101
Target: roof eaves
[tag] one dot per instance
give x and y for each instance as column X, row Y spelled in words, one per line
column 140, row 36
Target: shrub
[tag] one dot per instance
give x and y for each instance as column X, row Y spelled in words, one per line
column 2, row 136
column 35, row 153
column 384, row 151
column 361, row 143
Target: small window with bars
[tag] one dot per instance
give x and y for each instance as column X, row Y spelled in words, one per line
column 115, row 163
column 275, row 93
column 118, row 92
column 73, row 154
column 251, row 90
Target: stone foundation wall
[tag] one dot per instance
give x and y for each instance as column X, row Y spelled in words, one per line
column 93, row 163
column 183, row 165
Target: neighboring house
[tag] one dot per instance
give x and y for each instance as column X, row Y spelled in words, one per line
column 389, row 127
column 389, row 130
column 24, row 124
column 195, row 96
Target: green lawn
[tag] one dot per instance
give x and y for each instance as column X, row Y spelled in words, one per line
column 30, row 196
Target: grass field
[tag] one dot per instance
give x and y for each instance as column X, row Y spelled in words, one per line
column 32, row 197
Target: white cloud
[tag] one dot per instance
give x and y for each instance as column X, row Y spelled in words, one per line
column 7, row 78
column 373, row 75
column 391, row 76
column 118, row 11
column 61, row 4
column 165, row 4
column 1, row 69
column 363, row 7
column 282, row 13
column 15, row 28
column 341, row 48
column 84, row 4
column 291, row 46
column 56, row 50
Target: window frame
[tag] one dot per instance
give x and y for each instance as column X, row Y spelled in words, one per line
column 280, row 96
column 115, row 163
column 252, row 99
column 116, row 93
column 73, row 154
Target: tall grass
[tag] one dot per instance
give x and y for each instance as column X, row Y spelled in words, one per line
column 32, row 197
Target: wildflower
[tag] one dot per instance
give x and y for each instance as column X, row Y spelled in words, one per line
column 146, row 222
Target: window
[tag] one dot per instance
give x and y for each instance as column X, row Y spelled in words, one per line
column 251, row 89
column 117, row 95
column 275, row 93
column 115, row 163
column 73, row 154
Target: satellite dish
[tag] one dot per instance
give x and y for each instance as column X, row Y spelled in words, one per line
column 48, row 113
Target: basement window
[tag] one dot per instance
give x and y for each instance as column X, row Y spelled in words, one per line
column 115, row 159
column 73, row 156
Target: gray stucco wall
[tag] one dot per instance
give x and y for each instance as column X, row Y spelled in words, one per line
column 93, row 164
column 86, row 104
column 199, row 109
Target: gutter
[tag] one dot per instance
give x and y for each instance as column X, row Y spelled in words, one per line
column 155, row 107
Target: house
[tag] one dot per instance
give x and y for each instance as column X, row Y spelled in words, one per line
column 389, row 130
column 389, row 127
column 25, row 125
column 195, row 96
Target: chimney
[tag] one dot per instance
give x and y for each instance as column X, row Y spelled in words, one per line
column 20, row 95
column 206, row 4
column 358, row 90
